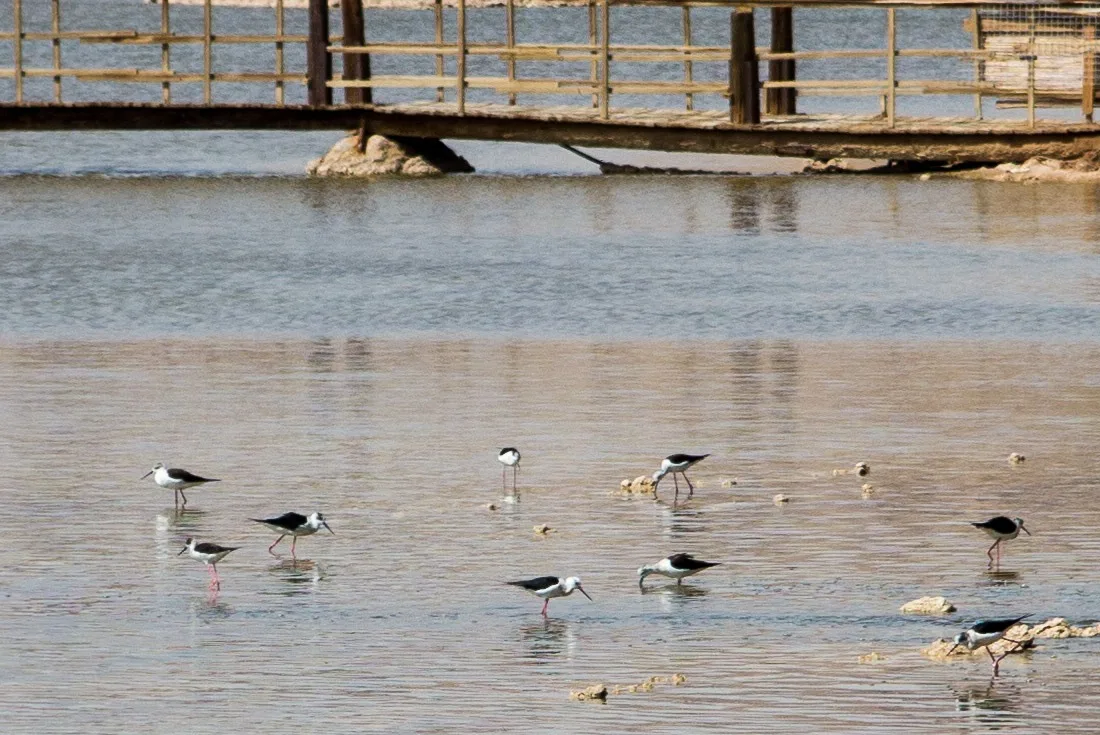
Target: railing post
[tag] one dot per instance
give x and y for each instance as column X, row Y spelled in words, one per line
column 356, row 66
column 17, row 48
column 605, row 60
column 318, row 58
column 510, row 41
column 593, row 42
column 55, row 43
column 460, row 59
column 744, row 78
column 781, row 101
column 207, row 51
column 891, row 67
column 689, row 98
column 280, row 66
column 165, row 52
column 1088, row 72
column 977, row 44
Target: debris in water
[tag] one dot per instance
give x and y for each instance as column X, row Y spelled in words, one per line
column 928, row 606
column 1016, row 458
column 594, row 692
column 780, row 499
column 872, row 657
column 542, row 530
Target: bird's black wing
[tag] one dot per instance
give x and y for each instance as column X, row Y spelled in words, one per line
column 185, row 476
column 538, row 583
column 207, row 548
column 1000, row 524
column 286, row 520
column 687, row 561
column 686, row 458
column 984, row 627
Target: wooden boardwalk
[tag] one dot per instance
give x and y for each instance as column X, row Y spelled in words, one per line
column 1024, row 57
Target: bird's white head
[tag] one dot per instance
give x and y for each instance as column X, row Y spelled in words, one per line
column 157, row 466
column 573, row 583
column 316, row 520
column 658, row 475
column 644, row 572
column 1020, row 525
column 188, row 546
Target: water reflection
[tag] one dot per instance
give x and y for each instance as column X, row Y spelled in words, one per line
column 301, row 577
column 180, row 519
column 548, row 639
column 674, row 591
column 1000, row 578
column 993, row 703
column 210, row 609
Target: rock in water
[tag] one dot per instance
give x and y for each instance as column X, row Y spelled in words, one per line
column 389, row 156
column 928, row 606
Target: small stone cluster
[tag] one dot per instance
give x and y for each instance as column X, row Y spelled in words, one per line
column 600, row 692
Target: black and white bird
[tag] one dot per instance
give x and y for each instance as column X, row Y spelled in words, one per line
column 547, row 588
column 677, row 464
column 1001, row 528
column 293, row 525
column 209, row 554
column 984, row 633
column 176, row 479
column 509, row 457
column 676, row 566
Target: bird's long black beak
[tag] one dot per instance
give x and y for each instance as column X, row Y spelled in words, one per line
column 952, row 649
column 1024, row 529
column 181, row 551
column 329, row 529
column 147, row 474
column 584, row 593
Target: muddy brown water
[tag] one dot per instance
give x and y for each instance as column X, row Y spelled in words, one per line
column 401, row 622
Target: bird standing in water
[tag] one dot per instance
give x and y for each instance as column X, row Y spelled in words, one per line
column 1001, row 528
column 677, row 464
column 293, row 525
column 984, row 633
column 676, row 566
column 176, row 479
column 209, row 554
column 547, row 588
column 509, row 457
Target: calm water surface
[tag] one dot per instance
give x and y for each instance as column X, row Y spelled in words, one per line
column 365, row 350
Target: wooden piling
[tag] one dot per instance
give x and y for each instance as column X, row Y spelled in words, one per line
column 1088, row 72
column 510, row 43
column 318, row 59
column 356, row 66
column 781, row 101
column 55, row 44
column 977, row 43
column 744, row 74
column 593, row 42
column 605, row 60
column 437, row 11
column 165, row 52
column 280, row 63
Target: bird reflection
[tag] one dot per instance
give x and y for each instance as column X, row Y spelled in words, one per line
column 548, row 639
column 180, row 519
column 999, row 578
column 987, row 702
column 210, row 609
column 673, row 590
column 301, row 576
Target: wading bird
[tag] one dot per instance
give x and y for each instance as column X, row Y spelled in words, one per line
column 210, row 555
column 677, row 464
column 676, row 566
column 1001, row 528
column 984, row 633
column 547, row 588
column 509, row 457
column 293, row 525
column 176, row 479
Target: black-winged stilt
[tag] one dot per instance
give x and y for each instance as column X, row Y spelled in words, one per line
column 509, row 457
column 176, row 479
column 209, row 554
column 677, row 464
column 1001, row 528
column 676, row 566
column 547, row 588
column 293, row 525
column 984, row 633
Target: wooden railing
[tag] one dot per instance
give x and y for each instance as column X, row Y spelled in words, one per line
column 1024, row 59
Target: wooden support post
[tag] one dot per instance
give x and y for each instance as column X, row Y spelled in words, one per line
column 744, row 72
column 891, row 67
column 437, row 10
column 318, row 59
column 977, row 44
column 165, row 52
column 55, row 43
column 510, row 41
column 1088, row 72
column 460, row 58
column 280, row 63
column 781, row 101
column 17, row 48
column 207, row 51
column 689, row 98
column 1031, row 69
column 605, row 60
column 593, row 43
column 356, row 66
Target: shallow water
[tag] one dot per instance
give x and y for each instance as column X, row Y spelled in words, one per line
column 400, row 621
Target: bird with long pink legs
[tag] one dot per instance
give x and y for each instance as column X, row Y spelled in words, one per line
column 547, row 588
column 209, row 554
column 293, row 525
column 1001, row 528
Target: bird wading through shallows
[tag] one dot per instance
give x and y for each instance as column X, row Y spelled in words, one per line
column 677, row 464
